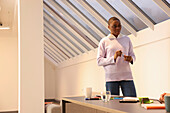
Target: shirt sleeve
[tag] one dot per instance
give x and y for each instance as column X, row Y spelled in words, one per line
column 131, row 53
column 101, row 56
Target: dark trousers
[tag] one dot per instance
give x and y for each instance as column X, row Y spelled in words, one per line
column 127, row 87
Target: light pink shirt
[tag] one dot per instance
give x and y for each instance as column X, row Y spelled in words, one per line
column 119, row 70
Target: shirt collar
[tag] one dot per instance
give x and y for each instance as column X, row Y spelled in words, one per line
column 110, row 36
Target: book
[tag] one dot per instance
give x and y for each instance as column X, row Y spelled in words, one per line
column 153, row 106
column 48, row 103
column 130, row 99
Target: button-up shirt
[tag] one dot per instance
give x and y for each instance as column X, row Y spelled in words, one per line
column 119, row 70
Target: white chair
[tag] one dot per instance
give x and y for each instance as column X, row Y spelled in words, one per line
column 49, row 107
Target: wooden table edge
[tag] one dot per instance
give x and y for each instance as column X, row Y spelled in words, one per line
column 93, row 106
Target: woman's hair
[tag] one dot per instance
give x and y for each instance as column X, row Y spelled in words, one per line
column 112, row 19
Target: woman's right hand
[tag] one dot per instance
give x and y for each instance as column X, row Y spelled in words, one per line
column 118, row 53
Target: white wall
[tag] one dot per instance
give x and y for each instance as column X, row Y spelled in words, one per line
column 9, row 67
column 49, row 79
column 72, row 79
column 8, row 74
column 31, row 57
column 150, row 71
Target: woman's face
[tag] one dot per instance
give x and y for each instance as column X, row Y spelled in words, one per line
column 115, row 27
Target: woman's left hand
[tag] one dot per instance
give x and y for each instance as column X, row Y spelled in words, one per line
column 128, row 58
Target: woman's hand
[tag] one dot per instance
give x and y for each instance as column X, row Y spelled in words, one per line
column 118, row 53
column 128, row 58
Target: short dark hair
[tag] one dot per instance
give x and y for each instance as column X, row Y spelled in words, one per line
column 112, row 19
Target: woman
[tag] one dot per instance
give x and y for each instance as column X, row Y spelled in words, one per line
column 115, row 52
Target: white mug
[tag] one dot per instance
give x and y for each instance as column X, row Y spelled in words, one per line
column 88, row 92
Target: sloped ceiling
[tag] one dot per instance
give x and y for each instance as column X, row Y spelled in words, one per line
column 73, row 27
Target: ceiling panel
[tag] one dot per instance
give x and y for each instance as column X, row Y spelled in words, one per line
column 80, row 20
column 66, row 40
column 104, row 13
column 52, row 56
column 61, row 57
column 72, row 23
column 55, row 48
column 152, row 10
column 59, row 39
column 127, row 13
column 67, row 29
column 58, row 43
column 46, row 48
column 90, row 17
